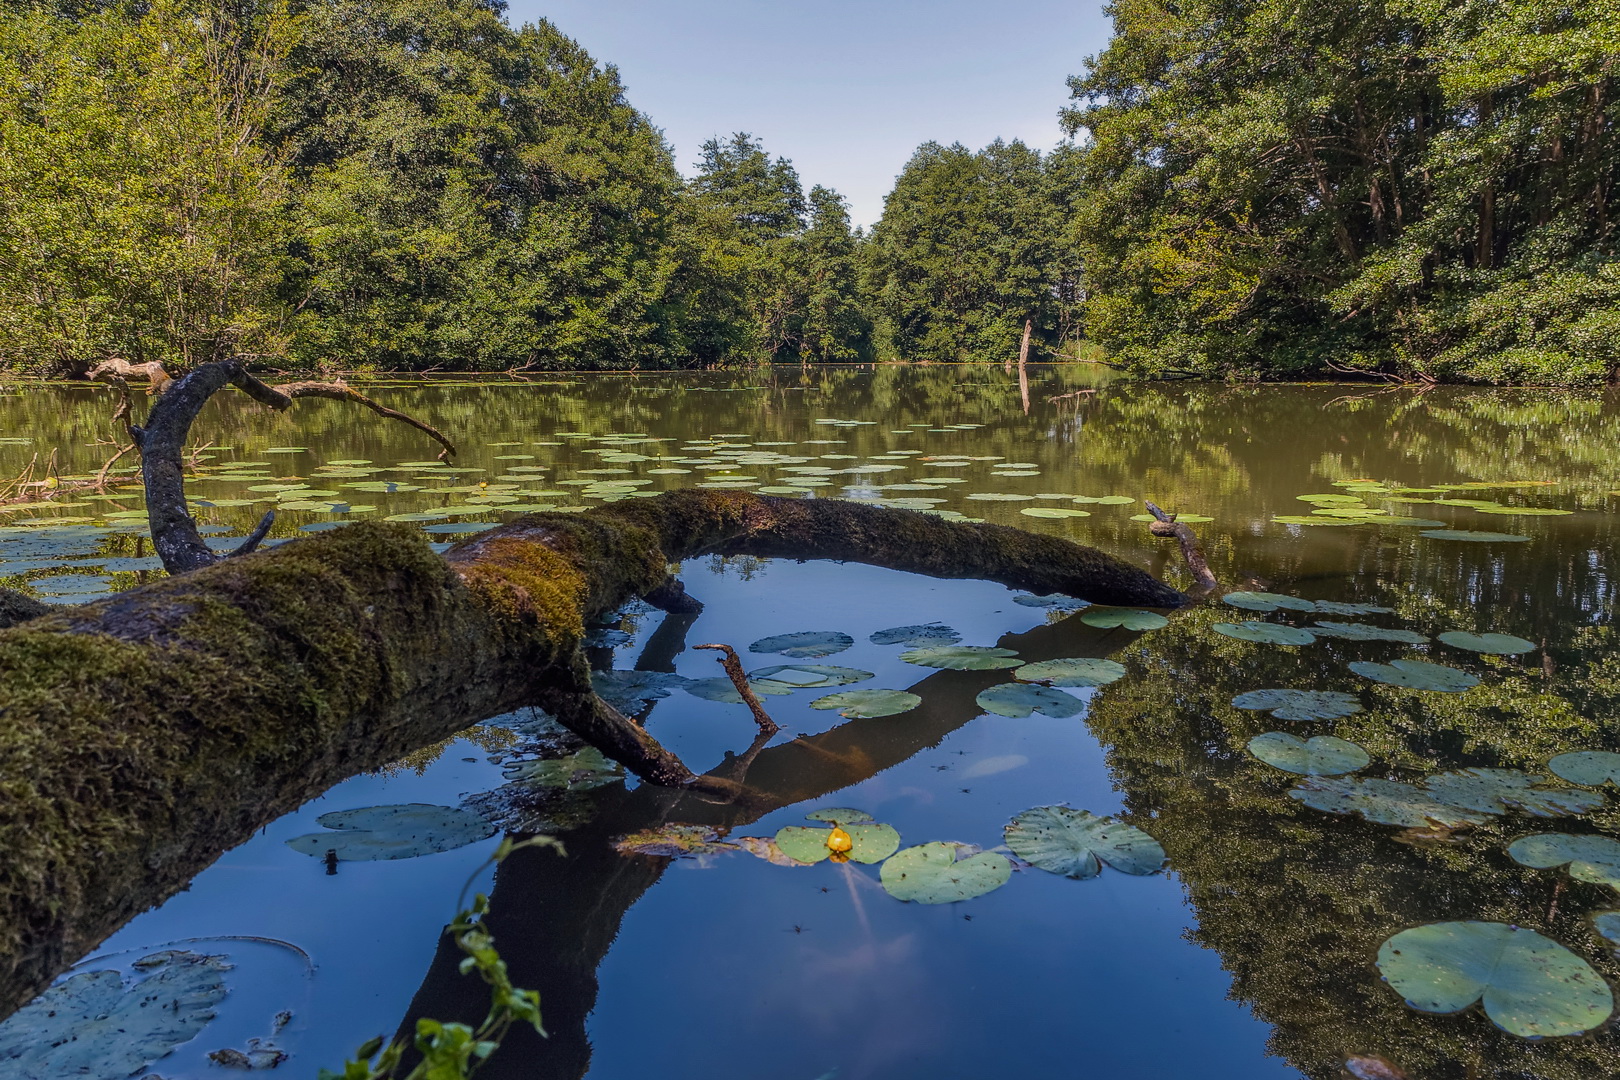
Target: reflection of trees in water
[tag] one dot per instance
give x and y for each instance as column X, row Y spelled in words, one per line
column 1295, row 901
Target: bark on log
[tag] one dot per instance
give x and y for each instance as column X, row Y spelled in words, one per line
column 16, row 608
column 142, row 735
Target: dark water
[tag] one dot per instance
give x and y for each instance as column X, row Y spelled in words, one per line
column 1251, row 957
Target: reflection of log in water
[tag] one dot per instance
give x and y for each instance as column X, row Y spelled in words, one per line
column 555, row 919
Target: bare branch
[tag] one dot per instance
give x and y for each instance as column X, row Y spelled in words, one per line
column 1166, row 525
column 256, row 537
column 734, row 671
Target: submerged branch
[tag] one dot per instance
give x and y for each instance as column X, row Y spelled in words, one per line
column 1166, row 525
column 739, row 679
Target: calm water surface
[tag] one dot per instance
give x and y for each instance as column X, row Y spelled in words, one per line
column 1252, row 957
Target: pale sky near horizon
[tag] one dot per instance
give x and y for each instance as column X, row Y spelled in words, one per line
column 846, row 89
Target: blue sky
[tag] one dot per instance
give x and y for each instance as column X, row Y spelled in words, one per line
column 847, row 89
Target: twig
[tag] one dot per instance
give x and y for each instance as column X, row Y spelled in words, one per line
column 1166, row 525
column 256, row 537
column 734, row 671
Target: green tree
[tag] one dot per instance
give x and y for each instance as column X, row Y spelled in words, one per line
column 834, row 325
column 143, row 215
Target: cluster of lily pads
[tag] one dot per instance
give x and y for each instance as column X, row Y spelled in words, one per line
column 1352, row 506
column 1528, row 984
column 1058, row 839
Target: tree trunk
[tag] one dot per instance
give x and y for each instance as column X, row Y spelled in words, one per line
column 142, row 735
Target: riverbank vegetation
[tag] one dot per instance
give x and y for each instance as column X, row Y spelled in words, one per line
column 1408, row 190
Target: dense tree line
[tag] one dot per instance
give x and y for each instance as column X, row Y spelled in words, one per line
column 1404, row 188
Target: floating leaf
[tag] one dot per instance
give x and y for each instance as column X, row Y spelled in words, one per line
column 867, row 704
column 582, row 771
column 671, row 841
column 629, row 690
column 1524, row 511
column 1072, row 671
column 761, row 847
column 1476, row 537
column 1335, row 607
column 719, row 688
column 402, row 831
column 869, row 842
column 1495, row 644
column 923, row 635
column 1048, row 511
column 1124, row 618
column 805, row 643
column 1385, row 802
column 1530, row 985
column 1594, row 768
column 1021, row 699
column 1075, row 843
column 1366, row 632
column 809, row 675
column 1265, row 601
column 932, row 874
column 840, row 815
column 1492, row 790
column 1265, row 633
column 1056, row 601
column 1323, row 755
column 962, row 657
column 94, row 1024
column 1417, row 674
column 1300, row 704
column 1594, row 859
column 1607, row 925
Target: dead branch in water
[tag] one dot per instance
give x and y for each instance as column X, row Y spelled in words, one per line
column 739, row 679
column 1165, row 525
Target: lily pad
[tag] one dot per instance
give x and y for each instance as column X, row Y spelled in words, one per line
column 809, row 675
column 1607, row 925
column 1056, row 601
column 1300, row 704
column 1020, row 699
column 962, row 657
column 1365, row 632
column 1594, row 859
column 1594, row 768
column 922, row 636
column 1337, row 607
column 1124, row 618
column 629, row 690
column 1492, row 790
column 1418, row 675
column 1323, row 755
column 867, row 704
column 1265, row 633
column 1384, row 802
column 1266, row 601
column 869, row 842
column 582, row 771
column 1474, row 537
column 1072, row 671
column 840, row 815
column 805, row 643
column 1075, row 843
column 98, row 1025
column 401, row 831
column 932, row 874
column 1048, row 511
column 1530, row 985
column 1495, row 644
column 721, row 689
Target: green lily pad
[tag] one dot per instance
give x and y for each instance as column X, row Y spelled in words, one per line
column 1048, row 511
column 1495, row 644
column 1607, row 926
column 1492, row 790
column 1021, row 699
column 581, row 771
column 962, row 657
column 999, row 496
column 1300, row 704
column 1594, row 859
column 96, row 1024
column 1265, row 633
column 1124, row 618
column 805, row 643
column 1055, row 601
column 1075, row 843
column 1323, row 755
column 1072, row 671
column 1530, row 985
column 721, row 689
column 1594, row 768
column 1418, row 675
column 1524, row 511
column 402, row 831
column 1331, row 499
column 1384, row 802
column 1366, row 632
column 809, row 675
column 870, row 843
column 1336, row 607
column 840, row 815
column 932, row 874
column 922, row 636
column 1266, row 601
column 867, row 704
column 1475, row 537
column 629, row 690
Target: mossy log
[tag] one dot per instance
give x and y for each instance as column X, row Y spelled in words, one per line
column 142, row 735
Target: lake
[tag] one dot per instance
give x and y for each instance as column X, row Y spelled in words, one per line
column 1382, row 518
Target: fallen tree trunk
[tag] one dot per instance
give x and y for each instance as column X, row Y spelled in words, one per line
column 142, row 735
